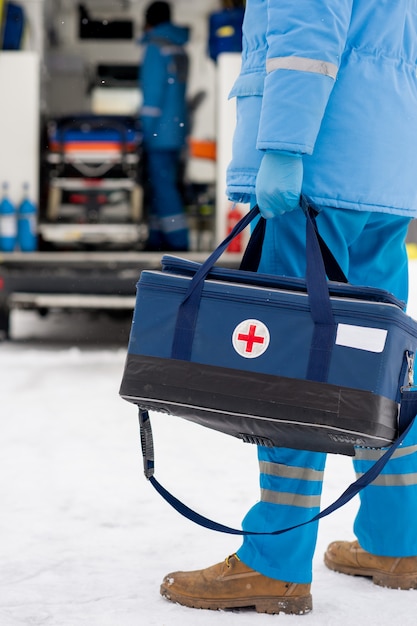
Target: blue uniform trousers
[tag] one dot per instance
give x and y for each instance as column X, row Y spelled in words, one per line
column 370, row 247
column 168, row 228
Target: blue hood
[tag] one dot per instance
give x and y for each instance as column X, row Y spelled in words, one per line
column 178, row 35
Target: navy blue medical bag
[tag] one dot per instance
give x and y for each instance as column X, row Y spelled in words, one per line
column 312, row 363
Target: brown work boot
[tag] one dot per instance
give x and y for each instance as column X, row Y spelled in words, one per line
column 232, row 585
column 348, row 557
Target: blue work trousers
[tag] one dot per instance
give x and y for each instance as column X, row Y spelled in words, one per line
column 370, row 248
column 168, row 228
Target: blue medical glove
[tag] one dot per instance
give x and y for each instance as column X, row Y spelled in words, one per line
column 278, row 184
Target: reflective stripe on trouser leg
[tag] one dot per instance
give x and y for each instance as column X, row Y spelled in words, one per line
column 160, row 230
column 291, row 484
column 386, row 523
column 154, row 236
column 171, row 223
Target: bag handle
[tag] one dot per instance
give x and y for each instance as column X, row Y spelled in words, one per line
column 252, row 254
column 188, row 309
column 324, row 333
column 317, row 289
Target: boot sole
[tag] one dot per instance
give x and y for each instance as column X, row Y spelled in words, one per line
column 382, row 579
column 271, row 605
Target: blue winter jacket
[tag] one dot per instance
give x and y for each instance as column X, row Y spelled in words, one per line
column 163, row 78
column 336, row 81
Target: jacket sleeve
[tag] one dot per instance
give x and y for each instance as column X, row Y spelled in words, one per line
column 305, row 42
column 153, row 78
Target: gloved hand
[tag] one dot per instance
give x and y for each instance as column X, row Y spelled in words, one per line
column 278, row 184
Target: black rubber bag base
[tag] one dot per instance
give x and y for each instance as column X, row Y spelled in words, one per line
column 261, row 408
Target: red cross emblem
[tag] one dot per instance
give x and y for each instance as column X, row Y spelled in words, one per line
column 250, row 338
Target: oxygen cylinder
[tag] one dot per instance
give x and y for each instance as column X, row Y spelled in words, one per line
column 8, row 226
column 26, row 223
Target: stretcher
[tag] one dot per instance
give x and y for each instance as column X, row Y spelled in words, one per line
column 94, row 192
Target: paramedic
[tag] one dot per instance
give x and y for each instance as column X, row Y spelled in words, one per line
column 163, row 78
column 327, row 106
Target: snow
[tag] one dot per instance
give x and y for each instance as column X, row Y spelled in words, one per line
column 85, row 540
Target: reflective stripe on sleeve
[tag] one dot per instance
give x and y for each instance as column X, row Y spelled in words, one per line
column 172, row 49
column 302, row 64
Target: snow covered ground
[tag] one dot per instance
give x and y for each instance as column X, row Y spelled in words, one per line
column 85, row 540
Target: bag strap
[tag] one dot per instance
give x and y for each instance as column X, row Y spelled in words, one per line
column 188, row 309
column 253, row 251
column 408, row 412
column 252, row 254
column 325, row 327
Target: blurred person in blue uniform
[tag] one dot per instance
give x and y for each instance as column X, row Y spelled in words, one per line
column 163, row 79
column 327, row 107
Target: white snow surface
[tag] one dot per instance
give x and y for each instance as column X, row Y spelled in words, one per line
column 84, row 538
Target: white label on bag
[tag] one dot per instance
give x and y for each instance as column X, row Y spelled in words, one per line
column 361, row 337
column 250, row 338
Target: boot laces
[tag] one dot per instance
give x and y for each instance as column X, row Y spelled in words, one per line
column 231, row 556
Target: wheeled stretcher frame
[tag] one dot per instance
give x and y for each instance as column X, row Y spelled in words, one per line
column 94, row 194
